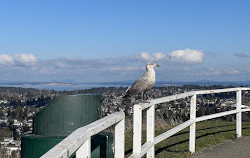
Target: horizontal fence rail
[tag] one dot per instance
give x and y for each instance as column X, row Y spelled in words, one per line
column 140, row 150
column 79, row 140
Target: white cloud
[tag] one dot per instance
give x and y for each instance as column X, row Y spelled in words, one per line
column 46, row 71
column 159, row 56
column 179, row 67
column 129, row 68
column 26, row 59
column 145, row 56
column 233, row 71
column 187, row 55
column 61, row 64
column 211, row 72
column 6, row 59
column 216, row 72
column 186, row 68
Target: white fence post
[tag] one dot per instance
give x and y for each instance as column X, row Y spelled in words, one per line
column 192, row 127
column 151, row 130
column 85, row 150
column 238, row 114
column 119, row 139
column 137, row 129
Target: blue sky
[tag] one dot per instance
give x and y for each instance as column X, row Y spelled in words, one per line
column 113, row 40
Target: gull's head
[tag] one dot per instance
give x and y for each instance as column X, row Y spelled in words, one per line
column 151, row 65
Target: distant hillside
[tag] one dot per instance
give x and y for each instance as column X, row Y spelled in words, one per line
column 181, row 83
column 71, row 85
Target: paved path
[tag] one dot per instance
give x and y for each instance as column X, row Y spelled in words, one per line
column 239, row 148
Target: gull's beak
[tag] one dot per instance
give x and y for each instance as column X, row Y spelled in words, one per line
column 157, row 65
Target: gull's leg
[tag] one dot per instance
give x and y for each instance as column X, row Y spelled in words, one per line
column 142, row 96
column 145, row 96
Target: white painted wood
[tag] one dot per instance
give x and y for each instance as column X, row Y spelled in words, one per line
column 146, row 105
column 120, row 139
column 238, row 115
column 245, row 88
column 134, row 156
column 151, row 130
column 145, row 147
column 212, row 116
column 81, row 137
column 192, row 127
column 193, row 108
column 71, row 143
column 167, row 99
column 245, row 110
column 85, row 150
column 137, row 129
column 188, row 94
column 217, row 91
column 172, row 131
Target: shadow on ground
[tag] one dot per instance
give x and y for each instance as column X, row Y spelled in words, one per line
column 185, row 133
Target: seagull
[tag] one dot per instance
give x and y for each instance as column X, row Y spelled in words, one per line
column 144, row 83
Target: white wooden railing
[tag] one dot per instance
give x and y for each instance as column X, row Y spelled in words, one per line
column 79, row 140
column 148, row 147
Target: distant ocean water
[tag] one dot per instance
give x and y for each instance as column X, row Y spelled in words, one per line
column 76, row 86
column 63, row 87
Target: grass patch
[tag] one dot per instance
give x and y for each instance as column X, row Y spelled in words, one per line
column 208, row 133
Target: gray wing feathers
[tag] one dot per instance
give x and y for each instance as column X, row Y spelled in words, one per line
column 140, row 85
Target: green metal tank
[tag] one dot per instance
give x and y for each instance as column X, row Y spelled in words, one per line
column 102, row 145
column 67, row 113
column 34, row 146
column 59, row 119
